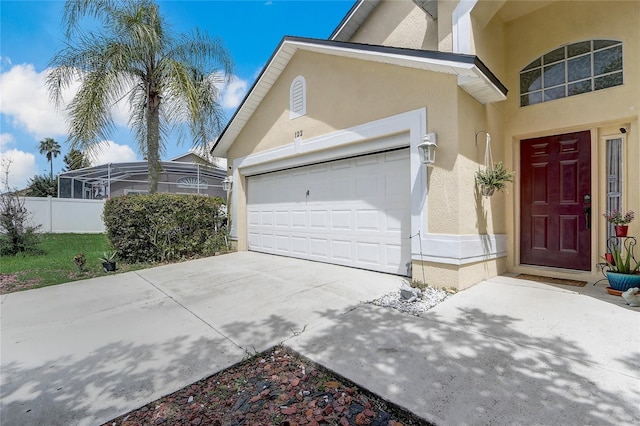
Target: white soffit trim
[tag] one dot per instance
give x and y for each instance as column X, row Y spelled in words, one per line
column 354, row 19
column 471, row 77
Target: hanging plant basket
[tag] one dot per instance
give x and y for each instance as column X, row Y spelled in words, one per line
column 486, row 191
column 493, row 178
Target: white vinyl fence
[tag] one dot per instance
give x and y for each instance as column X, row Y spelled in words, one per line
column 58, row 215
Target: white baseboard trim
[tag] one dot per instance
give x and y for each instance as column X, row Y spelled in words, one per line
column 460, row 249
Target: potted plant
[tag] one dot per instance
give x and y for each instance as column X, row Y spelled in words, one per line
column 620, row 221
column 493, row 178
column 624, row 270
column 80, row 260
column 108, row 261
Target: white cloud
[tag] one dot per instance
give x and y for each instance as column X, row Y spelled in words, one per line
column 26, row 101
column 234, row 92
column 4, row 60
column 22, row 167
column 6, row 139
column 111, row 152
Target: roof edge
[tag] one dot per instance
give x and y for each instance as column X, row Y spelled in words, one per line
column 466, row 59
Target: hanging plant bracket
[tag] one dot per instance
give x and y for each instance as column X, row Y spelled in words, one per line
column 494, row 176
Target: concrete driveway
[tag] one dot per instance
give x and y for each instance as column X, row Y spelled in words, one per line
column 503, row 352
column 85, row 352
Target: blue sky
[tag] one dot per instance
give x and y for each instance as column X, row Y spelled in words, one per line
column 31, row 32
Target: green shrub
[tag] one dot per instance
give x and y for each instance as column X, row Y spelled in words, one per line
column 16, row 234
column 164, row 227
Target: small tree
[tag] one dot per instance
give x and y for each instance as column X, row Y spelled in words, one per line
column 75, row 159
column 42, row 186
column 16, row 235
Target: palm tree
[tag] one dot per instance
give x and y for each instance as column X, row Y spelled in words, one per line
column 51, row 148
column 171, row 81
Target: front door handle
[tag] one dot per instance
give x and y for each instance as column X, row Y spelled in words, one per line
column 587, row 217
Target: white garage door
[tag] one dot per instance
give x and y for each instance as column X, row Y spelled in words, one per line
column 352, row 212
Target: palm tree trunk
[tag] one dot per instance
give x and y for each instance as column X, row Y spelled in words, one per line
column 153, row 142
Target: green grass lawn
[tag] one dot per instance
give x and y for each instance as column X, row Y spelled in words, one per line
column 56, row 265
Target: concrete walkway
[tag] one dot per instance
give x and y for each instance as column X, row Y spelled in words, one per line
column 503, row 352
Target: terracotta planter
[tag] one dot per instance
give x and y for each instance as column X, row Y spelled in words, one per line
column 621, row 230
column 623, row 282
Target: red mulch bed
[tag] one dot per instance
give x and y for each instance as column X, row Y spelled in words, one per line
column 11, row 282
column 277, row 387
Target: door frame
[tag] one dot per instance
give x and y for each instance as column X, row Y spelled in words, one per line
column 596, row 203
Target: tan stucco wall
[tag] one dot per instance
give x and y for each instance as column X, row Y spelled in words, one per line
column 343, row 93
column 365, row 92
column 399, row 24
column 456, row 276
column 445, row 24
column 603, row 112
column 489, row 42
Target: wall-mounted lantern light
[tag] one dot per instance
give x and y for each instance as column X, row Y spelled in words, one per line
column 427, row 149
column 227, row 183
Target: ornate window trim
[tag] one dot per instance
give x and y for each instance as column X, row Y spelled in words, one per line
column 191, row 182
column 570, row 70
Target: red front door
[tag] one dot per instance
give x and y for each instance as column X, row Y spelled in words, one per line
column 555, row 209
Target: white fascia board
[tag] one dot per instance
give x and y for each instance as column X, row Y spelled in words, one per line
column 461, row 26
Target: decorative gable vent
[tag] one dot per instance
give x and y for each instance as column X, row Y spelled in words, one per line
column 298, row 97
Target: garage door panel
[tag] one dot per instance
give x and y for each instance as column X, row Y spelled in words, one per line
column 319, row 219
column 299, row 218
column 300, row 246
column 395, row 156
column 282, row 218
column 283, row 244
column 393, row 255
column 340, row 165
column 319, row 247
column 266, row 218
column 367, row 160
column 367, row 220
column 368, row 253
column 255, row 239
column 267, row 241
column 341, row 249
column 356, row 214
column 341, row 219
column 254, row 218
column 367, row 188
column 393, row 220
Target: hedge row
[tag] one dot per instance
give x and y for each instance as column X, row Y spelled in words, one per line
column 161, row 227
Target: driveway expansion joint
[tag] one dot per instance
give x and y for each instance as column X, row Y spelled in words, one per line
column 190, row 311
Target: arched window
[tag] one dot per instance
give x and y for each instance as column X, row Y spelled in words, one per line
column 192, row 182
column 298, row 97
column 571, row 70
